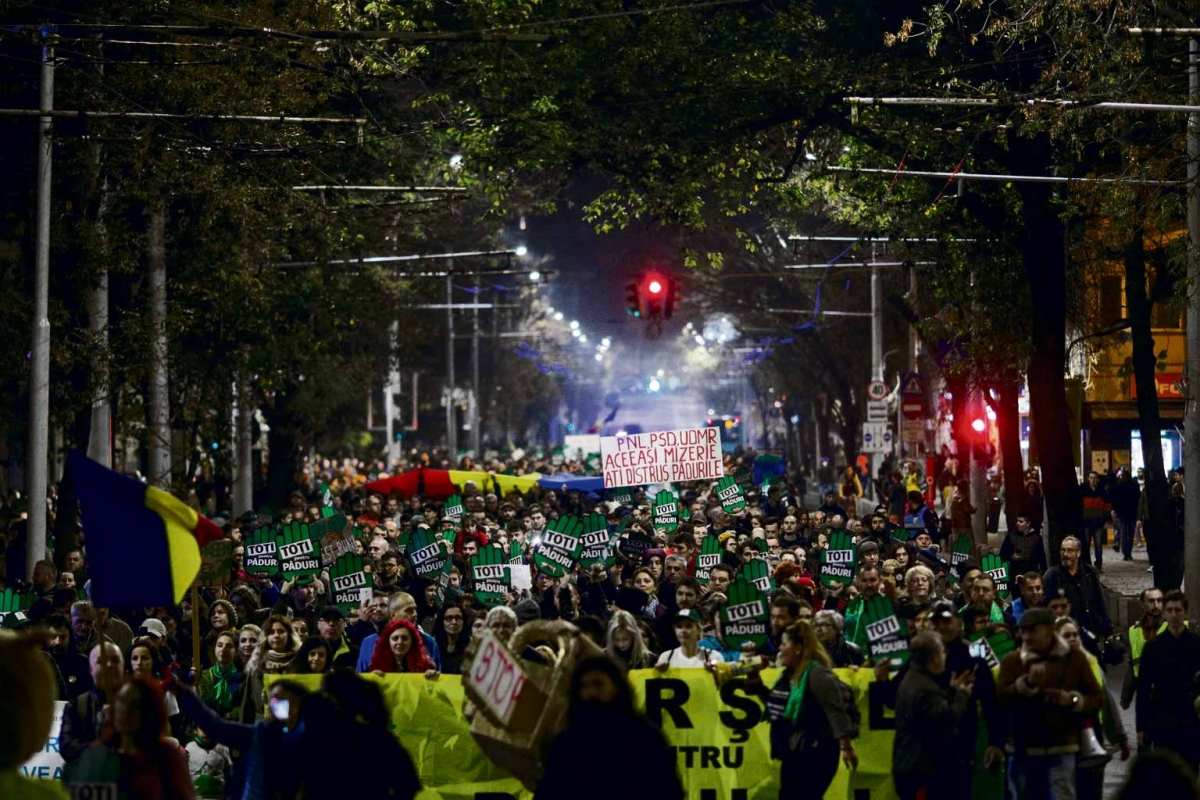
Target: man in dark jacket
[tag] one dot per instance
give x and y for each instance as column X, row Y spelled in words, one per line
column 73, row 668
column 928, row 720
column 1023, row 548
column 1166, row 688
column 1125, row 495
column 84, row 717
column 1081, row 584
column 1096, row 511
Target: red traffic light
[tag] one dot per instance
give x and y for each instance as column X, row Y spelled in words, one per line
column 655, row 286
column 979, row 425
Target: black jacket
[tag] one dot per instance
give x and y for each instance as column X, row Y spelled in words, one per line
column 822, row 717
column 623, row 739
column 928, row 723
column 82, row 723
column 1083, row 590
column 1166, row 685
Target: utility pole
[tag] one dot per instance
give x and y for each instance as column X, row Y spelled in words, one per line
column 243, row 450
column 476, row 417
column 877, row 368
column 391, row 412
column 1191, row 417
column 39, row 376
column 451, row 416
column 159, row 416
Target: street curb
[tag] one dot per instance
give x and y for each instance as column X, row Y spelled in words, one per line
column 1123, row 609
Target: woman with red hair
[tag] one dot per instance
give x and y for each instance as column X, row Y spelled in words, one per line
column 400, row 649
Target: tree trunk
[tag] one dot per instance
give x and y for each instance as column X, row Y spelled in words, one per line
column 1008, row 424
column 243, row 454
column 1163, row 544
column 158, row 411
column 1044, row 256
column 281, row 466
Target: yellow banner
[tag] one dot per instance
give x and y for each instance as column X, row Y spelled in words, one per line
column 721, row 737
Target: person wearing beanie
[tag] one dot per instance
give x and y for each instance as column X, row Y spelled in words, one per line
column 527, row 611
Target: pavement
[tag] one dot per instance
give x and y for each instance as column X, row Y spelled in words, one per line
column 1123, row 581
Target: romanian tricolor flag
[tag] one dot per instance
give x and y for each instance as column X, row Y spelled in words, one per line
column 143, row 545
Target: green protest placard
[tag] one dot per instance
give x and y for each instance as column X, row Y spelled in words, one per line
column 757, row 572
column 347, row 580
column 886, row 632
column 516, row 552
column 216, row 563
column 427, row 554
column 709, row 557
column 596, row 542
column 961, row 551
column 336, row 536
column 998, row 571
column 992, row 647
column 839, row 559
column 666, row 513
column 327, row 509
column 262, row 552
column 558, row 551
column 453, row 508
column 624, row 496
column 299, row 558
column 732, row 498
column 490, row 575
column 744, row 478
column 14, row 608
column 745, row 617
column 634, row 544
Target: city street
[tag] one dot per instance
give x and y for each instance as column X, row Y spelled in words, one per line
column 331, row 327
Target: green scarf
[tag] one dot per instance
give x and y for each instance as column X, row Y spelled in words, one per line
column 222, row 695
column 795, row 701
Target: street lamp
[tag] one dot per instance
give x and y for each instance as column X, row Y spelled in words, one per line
column 534, row 276
column 521, row 251
column 574, row 324
column 558, row 316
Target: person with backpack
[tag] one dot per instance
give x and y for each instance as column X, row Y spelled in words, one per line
column 812, row 714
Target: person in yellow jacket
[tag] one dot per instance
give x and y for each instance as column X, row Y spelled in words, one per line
column 1144, row 630
column 1105, row 724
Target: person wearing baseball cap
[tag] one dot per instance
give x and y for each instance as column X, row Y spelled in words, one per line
column 689, row 653
column 959, row 764
column 155, row 629
column 331, row 625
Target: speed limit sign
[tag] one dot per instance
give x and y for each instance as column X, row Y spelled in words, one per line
column 876, row 390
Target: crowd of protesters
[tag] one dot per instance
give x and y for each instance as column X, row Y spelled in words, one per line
column 144, row 714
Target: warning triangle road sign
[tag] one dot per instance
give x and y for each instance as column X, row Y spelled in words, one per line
column 911, row 385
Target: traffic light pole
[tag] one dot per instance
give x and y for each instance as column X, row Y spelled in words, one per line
column 451, row 415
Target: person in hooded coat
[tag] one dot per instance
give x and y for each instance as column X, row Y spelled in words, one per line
column 601, row 710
